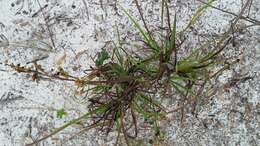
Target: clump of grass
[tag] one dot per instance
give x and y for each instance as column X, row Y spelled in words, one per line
column 124, row 88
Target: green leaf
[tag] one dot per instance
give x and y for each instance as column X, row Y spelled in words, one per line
column 117, row 69
column 118, row 54
column 61, row 113
column 173, row 34
column 187, row 66
column 181, row 78
column 171, row 43
column 198, row 13
column 162, row 12
column 146, row 114
column 147, row 38
column 102, row 56
column 181, row 88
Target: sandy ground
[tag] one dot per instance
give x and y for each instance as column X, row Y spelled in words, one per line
column 67, row 32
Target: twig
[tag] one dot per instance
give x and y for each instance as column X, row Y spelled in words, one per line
column 36, row 13
column 86, row 6
column 38, row 59
column 249, row 9
column 234, row 14
column 3, row 41
column 240, row 15
column 74, row 121
column 83, row 130
column 168, row 17
column 230, row 30
column 47, row 26
column 123, row 127
column 142, row 17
